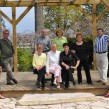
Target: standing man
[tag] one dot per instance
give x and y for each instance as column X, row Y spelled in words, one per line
column 100, row 48
column 7, row 52
column 44, row 40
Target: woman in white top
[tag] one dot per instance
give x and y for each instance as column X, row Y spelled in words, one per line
column 53, row 66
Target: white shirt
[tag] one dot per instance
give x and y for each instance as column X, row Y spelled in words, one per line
column 52, row 59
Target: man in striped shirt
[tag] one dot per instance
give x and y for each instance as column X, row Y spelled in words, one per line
column 100, row 48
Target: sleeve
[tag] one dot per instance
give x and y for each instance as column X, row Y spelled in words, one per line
column 47, row 63
column 34, row 59
column 49, row 43
column 76, row 57
column 66, row 40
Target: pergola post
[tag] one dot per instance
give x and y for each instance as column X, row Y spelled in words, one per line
column 94, row 30
column 14, row 36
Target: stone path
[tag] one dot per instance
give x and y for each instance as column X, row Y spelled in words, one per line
column 99, row 102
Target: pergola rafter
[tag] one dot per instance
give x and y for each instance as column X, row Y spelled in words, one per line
column 30, row 3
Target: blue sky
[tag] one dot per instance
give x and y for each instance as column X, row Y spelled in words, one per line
column 26, row 24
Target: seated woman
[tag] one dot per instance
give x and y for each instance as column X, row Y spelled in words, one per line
column 67, row 61
column 53, row 66
column 39, row 62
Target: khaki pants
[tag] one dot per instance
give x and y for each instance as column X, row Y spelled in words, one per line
column 102, row 65
column 8, row 64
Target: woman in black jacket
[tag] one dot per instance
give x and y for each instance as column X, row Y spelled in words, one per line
column 81, row 50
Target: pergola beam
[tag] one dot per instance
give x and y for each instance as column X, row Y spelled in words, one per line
column 94, row 22
column 6, row 17
column 49, row 2
column 85, row 13
column 23, row 14
column 2, row 2
column 102, row 14
column 14, row 36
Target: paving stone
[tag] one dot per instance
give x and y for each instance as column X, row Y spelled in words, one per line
column 9, row 105
column 83, row 103
column 70, row 108
column 65, row 105
column 82, row 107
column 39, row 107
column 98, row 108
column 99, row 104
column 5, row 100
column 54, row 106
column 36, row 99
column 24, row 107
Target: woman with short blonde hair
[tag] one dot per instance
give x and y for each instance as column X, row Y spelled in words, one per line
column 39, row 62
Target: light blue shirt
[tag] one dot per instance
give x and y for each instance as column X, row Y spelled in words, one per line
column 46, row 42
column 101, row 44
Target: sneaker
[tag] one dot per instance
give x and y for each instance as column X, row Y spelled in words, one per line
column 15, row 81
column 10, row 83
column 58, row 87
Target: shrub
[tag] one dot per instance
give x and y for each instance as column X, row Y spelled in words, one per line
column 24, row 59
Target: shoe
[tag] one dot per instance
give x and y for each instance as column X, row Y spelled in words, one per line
column 104, row 83
column 10, row 83
column 99, row 81
column 74, row 83
column 58, row 87
column 107, row 95
column 43, row 88
column 15, row 81
column 55, row 82
column 80, row 83
column 89, row 83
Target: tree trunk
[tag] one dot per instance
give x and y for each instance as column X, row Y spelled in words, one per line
column 39, row 23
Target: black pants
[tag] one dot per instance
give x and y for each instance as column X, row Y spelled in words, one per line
column 87, row 72
column 41, row 75
column 67, row 76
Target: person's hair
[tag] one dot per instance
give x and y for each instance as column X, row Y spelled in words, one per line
column 39, row 46
column 100, row 29
column 79, row 34
column 59, row 30
column 53, row 44
column 65, row 44
column 5, row 31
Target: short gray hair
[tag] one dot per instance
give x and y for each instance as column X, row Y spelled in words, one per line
column 6, row 30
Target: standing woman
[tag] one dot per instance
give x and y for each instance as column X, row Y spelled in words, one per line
column 39, row 62
column 53, row 66
column 59, row 40
column 81, row 51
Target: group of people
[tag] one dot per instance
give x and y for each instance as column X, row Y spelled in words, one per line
column 58, row 58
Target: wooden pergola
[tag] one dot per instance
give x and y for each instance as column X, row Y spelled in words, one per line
column 30, row 3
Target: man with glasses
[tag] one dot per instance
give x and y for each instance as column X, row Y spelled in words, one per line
column 6, row 54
